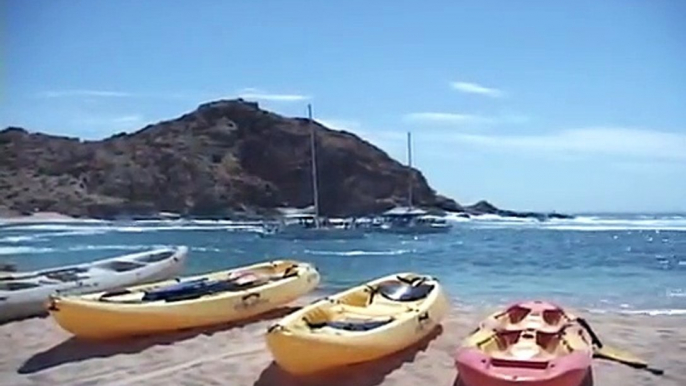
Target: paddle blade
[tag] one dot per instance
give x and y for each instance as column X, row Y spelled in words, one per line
column 626, row 358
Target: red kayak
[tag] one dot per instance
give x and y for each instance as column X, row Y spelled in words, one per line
column 531, row 343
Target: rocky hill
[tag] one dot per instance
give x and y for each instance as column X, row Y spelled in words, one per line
column 224, row 158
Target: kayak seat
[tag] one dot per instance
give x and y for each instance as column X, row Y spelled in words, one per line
column 68, row 274
column 202, row 287
column 402, row 292
column 155, row 257
column 119, row 266
column 375, row 310
column 350, row 324
column 190, row 290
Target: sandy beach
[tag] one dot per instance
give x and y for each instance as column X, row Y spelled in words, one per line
column 10, row 217
column 37, row 352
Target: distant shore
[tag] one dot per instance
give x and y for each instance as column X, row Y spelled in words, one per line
column 13, row 217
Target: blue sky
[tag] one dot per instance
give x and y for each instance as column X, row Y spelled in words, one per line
column 540, row 105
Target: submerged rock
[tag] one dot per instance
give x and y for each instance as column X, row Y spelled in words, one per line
column 485, row 207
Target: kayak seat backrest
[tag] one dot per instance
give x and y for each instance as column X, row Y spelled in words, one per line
column 506, row 338
column 547, row 341
column 517, row 313
column 357, row 298
column 403, row 292
column 552, row 317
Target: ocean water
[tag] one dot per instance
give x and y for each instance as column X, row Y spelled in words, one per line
column 608, row 263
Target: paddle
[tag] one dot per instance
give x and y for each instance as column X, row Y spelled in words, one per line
column 605, row 352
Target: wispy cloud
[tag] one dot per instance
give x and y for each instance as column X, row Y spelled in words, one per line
column 84, row 93
column 599, row 141
column 125, row 119
column 90, row 94
column 114, row 122
column 246, row 93
column 475, row 88
column 256, row 94
column 447, row 118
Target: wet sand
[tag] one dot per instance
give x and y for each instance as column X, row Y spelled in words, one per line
column 37, row 352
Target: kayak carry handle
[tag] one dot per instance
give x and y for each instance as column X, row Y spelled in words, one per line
column 52, row 304
column 250, row 295
column 274, row 327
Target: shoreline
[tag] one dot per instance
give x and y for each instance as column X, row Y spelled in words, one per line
column 482, row 208
column 37, row 351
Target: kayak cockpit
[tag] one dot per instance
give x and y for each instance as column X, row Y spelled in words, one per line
column 119, row 266
column 204, row 286
column 370, row 307
column 350, row 324
column 68, row 274
column 525, row 345
column 154, row 257
column 17, row 285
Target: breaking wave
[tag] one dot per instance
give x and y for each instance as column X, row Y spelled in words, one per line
column 647, row 312
column 134, row 227
column 581, row 223
column 359, row 252
column 23, row 250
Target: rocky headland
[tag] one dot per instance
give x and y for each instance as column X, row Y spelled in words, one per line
column 226, row 159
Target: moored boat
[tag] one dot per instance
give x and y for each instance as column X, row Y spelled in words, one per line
column 360, row 324
column 23, row 294
column 410, row 219
column 312, row 226
column 531, row 343
column 309, row 227
column 198, row 301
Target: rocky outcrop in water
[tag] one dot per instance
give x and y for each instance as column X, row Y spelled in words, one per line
column 224, row 158
column 485, row 207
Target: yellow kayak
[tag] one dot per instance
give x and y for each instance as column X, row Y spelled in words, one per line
column 363, row 323
column 203, row 300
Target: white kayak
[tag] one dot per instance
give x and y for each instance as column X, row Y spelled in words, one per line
column 24, row 294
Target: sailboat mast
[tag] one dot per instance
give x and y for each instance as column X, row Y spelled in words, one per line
column 409, row 165
column 315, row 190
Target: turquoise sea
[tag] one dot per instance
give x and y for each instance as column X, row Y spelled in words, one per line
column 604, row 263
